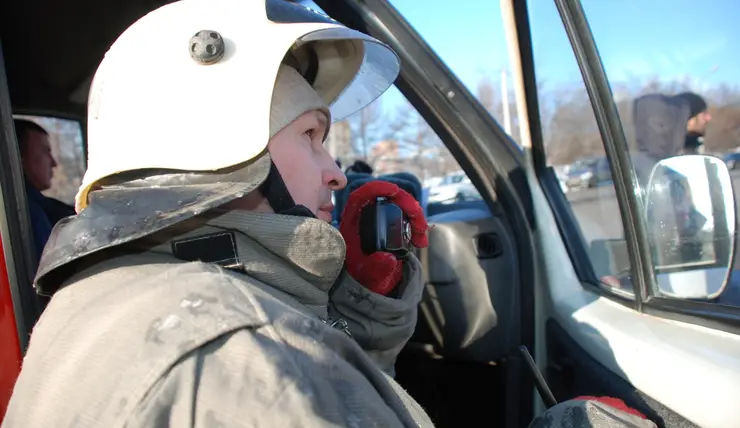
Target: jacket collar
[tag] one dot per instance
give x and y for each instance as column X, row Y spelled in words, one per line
column 299, row 256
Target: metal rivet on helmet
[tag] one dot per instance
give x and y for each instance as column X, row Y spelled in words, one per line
column 207, row 47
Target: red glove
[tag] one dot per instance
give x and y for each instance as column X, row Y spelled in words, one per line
column 612, row 402
column 380, row 272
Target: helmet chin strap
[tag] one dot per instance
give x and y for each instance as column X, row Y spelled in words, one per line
column 278, row 196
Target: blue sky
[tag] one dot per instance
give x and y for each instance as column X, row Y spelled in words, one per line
column 669, row 38
column 637, row 39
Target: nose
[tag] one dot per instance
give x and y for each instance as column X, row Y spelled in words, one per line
column 53, row 161
column 334, row 177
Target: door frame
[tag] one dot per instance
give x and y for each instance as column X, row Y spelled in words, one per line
column 593, row 72
column 15, row 224
column 19, row 305
column 630, row 337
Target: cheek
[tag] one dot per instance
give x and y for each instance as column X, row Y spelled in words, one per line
column 301, row 171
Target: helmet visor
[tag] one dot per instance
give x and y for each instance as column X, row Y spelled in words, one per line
column 348, row 68
column 353, row 68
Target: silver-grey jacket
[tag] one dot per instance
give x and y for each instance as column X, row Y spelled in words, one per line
column 144, row 339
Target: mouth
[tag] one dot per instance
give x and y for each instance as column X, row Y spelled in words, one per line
column 325, row 212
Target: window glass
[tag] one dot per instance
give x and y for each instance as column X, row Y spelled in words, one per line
column 394, row 138
column 473, row 46
column 65, row 140
column 675, row 75
column 391, row 137
column 674, row 78
column 574, row 147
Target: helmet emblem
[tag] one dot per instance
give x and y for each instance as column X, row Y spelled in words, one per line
column 207, row 47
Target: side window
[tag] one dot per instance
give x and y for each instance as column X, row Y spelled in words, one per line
column 574, row 147
column 68, row 168
column 391, row 137
column 471, row 41
column 678, row 94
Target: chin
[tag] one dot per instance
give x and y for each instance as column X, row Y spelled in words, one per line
column 325, row 216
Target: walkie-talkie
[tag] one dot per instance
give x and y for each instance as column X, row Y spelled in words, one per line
column 384, row 227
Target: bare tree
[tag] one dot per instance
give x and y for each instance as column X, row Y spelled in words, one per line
column 723, row 132
column 490, row 95
column 571, row 131
column 487, row 95
column 421, row 150
column 368, row 127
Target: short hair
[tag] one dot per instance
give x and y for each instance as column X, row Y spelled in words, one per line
column 697, row 104
column 360, row 167
column 23, row 128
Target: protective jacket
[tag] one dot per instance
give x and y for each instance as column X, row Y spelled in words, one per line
column 271, row 335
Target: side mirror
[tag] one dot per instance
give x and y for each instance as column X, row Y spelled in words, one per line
column 691, row 220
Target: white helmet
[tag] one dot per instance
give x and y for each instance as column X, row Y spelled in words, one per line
column 180, row 86
column 179, row 111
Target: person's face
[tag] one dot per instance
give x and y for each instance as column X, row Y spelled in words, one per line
column 38, row 162
column 698, row 124
column 307, row 168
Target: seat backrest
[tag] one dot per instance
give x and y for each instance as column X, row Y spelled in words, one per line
column 407, row 181
column 470, row 301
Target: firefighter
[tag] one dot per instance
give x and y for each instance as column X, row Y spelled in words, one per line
column 201, row 283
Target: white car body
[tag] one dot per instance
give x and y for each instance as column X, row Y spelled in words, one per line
column 453, row 187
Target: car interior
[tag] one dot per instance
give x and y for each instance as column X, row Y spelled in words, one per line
column 468, row 313
column 457, row 364
column 481, row 268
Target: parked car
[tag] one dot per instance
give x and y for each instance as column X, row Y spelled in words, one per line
column 454, row 187
column 588, row 173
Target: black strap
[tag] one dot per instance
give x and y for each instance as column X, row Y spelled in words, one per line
column 278, row 196
column 275, row 191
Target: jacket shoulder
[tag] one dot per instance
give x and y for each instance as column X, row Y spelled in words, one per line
column 276, row 375
column 127, row 323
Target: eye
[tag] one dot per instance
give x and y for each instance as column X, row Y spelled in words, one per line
column 313, row 135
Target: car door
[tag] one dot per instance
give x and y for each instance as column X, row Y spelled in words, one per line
column 675, row 359
column 18, row 304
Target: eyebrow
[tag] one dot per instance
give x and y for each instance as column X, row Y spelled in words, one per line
column 321, row 121
column 321, row 117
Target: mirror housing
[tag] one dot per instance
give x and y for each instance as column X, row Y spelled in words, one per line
column 691, row 221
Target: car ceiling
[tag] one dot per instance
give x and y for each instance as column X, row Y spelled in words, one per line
column 51, row 48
